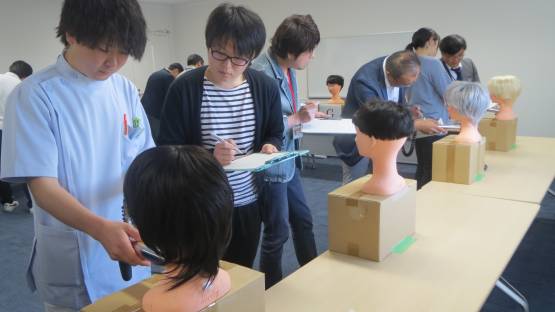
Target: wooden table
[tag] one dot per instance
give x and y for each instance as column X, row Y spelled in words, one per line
column 460, row 251
column 522, row 174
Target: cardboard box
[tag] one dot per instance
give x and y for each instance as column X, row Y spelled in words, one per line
column 457, row 162
column 246, row 294
column 369, row 226
column 500, row 134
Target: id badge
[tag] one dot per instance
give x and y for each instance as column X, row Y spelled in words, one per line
column 297, row 132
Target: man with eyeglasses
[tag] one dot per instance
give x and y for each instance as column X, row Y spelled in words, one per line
column 456, row 65
column 230, row 110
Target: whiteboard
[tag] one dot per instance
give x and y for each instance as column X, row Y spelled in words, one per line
column 345, row 55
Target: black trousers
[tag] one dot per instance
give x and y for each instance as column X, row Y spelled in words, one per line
column 424, row 151
column 154, row 127
column 6, row 195
column 285, row 205
column 245, row 236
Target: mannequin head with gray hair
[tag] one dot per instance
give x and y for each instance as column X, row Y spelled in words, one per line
column 467, row 102
column 504, row 90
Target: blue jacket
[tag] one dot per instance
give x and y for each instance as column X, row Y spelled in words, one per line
column 367, row 84
column 267, row 63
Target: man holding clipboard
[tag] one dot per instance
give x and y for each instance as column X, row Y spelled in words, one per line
column 229, row 109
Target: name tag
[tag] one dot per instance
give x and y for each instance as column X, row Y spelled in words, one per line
column 297, row 132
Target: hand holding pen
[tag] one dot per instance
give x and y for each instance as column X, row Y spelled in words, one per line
column 416, row 112
column 225, row 150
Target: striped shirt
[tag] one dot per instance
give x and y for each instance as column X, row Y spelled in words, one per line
column 229, row 113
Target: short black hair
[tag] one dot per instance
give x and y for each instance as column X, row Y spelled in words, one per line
column 21, row 69
column 179, row 199
column 95, row 23
column 194, row 59
column 452, row 44
column 384, row 120
column 177, row 66
column 238, row 25
column 295, row 35
column 401, row 63
column 335, row 79
column 421, row 36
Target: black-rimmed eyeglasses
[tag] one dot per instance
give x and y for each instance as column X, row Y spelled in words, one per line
column 237, row 61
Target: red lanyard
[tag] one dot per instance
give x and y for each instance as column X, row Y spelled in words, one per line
column 292, row 92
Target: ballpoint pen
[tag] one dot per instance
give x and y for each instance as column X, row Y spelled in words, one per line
column 125, row 128
column 220, row 139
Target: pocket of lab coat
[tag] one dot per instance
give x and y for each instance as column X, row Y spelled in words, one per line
column 57, row 257
column 130, row 150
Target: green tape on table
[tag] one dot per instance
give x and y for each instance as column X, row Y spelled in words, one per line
column 403, row 245
column 479, row 177
column 513, row 146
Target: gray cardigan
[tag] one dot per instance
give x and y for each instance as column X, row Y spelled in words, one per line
column 427, row 91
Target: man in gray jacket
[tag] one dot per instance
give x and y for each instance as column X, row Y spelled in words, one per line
column 455, row 64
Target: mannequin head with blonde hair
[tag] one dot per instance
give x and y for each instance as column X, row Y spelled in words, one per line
column 504, row 90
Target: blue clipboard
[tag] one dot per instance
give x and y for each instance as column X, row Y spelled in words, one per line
column 257, row 162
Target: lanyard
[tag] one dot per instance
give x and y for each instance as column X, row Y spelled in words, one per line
column 291, row 89
column 448, row 71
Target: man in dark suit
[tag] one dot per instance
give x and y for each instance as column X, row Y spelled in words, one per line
column 155, row 91
column 385, row 79
column 457, row 66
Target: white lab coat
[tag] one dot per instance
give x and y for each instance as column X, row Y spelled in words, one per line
column 61, row 124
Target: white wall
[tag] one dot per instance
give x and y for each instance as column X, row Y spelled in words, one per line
column 160, row 50
column 28, row 33
column 504, row 37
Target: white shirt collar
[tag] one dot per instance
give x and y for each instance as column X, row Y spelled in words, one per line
column 392, row 92
column 387, row 85
column 13, row 75
column 458, row 66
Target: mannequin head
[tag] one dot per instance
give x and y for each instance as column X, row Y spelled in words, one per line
column 382, row 128
column 179, row 199
column 424, row 42
column 382, row 121
column 504, row 90
column 335, row 85
column 466, row 103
